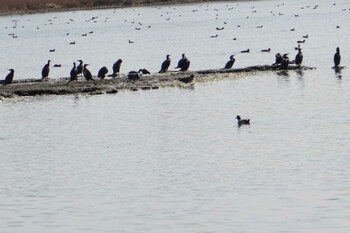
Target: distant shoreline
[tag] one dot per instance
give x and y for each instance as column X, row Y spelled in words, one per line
column 43, row 7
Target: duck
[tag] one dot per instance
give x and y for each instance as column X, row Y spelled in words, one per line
column 245, row 51
column 186, row 79
column 266, row 50
column 241, row 121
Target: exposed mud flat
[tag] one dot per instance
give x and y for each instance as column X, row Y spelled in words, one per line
column 33, row 87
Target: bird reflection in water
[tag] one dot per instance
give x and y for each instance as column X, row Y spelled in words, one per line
column 300, row 74
column 337, row 72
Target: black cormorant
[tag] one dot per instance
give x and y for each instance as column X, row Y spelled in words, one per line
column 87, row 73
column 230, row 63
column 285, row 62
column 80, row 67
column 165, row 64
column 46, row 70
column 337, row 58
column 102, row 72
column 134, row 75
column 186, row 79
column 116, row 67
column 278, row 59
column 299, row 58
column 242, row 121
column 144, row 71
column 73, row 73
column 181, row 62
column 185, row 65
column 9, row 77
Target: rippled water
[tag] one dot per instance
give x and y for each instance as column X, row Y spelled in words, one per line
column 174, row 160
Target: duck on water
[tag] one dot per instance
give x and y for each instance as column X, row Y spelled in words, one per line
column 241, row 121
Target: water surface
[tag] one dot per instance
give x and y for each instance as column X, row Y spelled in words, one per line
column 174, row 159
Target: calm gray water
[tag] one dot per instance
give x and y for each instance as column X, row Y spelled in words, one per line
column 174, row 160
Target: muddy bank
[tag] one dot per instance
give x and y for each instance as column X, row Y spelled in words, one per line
column 33, row 87
column 42, row 6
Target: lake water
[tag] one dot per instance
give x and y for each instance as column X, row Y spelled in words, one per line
column 174, row 160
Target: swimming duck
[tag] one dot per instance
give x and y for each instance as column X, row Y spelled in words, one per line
column 242, row 121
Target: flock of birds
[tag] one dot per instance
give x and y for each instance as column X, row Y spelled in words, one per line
column 183, row 65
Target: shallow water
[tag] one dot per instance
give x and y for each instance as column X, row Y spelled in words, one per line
column 174, row 159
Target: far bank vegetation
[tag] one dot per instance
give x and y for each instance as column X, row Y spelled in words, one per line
column 52, row 5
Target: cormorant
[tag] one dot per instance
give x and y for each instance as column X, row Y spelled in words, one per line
column 278, row 59
column 73, row 73
column 186, row 79
column 46, row 70
column 9, row 77
column 337, row 58
column 299, row 58
column 80, row 67
column 134, row 75
column 242, row 121
column 165, row 64
column 144, row 71
column 102, row 72
column 87, row 73
column 230, row 63
column 116, row 67
column 183, row 63
column 285, row 62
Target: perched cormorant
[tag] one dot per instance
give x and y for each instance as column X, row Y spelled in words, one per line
column 165, row 64
column 144, row 71
column 46, row 70
column 242, row 121
column 183, row 63
column 134, row 75
column 73, row 73
column 102, row 72
column 9, row 77
column 80, row 67
column 299, row 58
column 116, row 67
column 285, row 61
column 278, row 59
column 186, row 79
column 230, row 63
column 337, row 58
column 87, row 73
